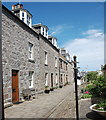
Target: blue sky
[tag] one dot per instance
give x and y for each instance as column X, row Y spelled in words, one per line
column 79, row 27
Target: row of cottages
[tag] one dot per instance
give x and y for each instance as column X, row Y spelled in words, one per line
column 30, row 57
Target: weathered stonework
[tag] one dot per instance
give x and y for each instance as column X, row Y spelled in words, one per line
column 52, row 53
column 15, row 38
column 65, row 71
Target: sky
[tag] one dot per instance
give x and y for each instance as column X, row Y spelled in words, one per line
column 78, row 26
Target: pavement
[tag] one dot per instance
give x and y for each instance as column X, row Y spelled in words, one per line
column 46, row 105
column 58, row 104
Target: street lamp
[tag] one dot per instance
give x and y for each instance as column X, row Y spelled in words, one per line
column 76, row 90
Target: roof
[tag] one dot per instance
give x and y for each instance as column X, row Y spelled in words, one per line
column 19, row 21
column 45, row 39
column 27, row 27
column 21, row 8
column 40, row 25
column 49, row 36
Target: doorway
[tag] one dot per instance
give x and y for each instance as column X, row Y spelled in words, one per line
column 51, row 79
column 15, row 86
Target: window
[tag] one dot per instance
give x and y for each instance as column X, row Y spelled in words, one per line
column 55, row 62
column 22, row 14
column 28, row 22
column 28, row 18
column 61, row 78
column 61, row 64
column 56, row 79
column 46, row 79
column 43, row 32
column 23, row 19
column 46, row 32
column 66, row 78
column 30, row 51
column 46, row 58
column 66, row 66
column 31, row 79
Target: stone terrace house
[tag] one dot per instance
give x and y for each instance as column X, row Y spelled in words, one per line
column 20, row 56
column 49, row 66
column 30, row 56
column 66, row 72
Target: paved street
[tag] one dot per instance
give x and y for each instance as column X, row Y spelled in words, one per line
column 57, row 104
column 60, row 103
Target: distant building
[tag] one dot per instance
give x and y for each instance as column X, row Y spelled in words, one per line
column 23, row 14
column 64, row 53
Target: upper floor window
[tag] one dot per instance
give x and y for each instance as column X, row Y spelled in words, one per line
column 28, row 18
column 61, row 64
column 55, row 62
column 66, row 66
column 46, row 32
column 30, row 51
column 23, row 19
column 31, row 79
column 46, row 58
column 43, row 32
column 28, row 22
column 22, row 14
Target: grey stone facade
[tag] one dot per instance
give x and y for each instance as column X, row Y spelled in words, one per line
column 15, row 38
column 18, row 42
column 65, row 71
column 50, row 67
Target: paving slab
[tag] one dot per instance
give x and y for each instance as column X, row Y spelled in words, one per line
column 39, row 108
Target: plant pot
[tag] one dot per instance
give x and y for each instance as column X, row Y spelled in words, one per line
column 60, row 86
column 51, row 89
column 47, row 91
column 102, row 113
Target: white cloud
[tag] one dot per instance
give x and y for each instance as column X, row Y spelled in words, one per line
column 55, row 30
column 90, row 49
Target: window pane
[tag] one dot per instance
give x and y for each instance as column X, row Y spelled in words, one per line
column 30, row 50
column 22, row 14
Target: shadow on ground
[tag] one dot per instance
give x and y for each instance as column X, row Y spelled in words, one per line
column 94, row 116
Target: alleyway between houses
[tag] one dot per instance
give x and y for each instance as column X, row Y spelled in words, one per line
column 57, row 104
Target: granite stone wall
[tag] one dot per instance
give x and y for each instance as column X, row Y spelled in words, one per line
column 50, row 68
column 15, row 38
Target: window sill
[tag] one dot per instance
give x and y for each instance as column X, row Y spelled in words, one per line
column 31, row 60
column 46, row 64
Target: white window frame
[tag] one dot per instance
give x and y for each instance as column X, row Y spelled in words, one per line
column 23, row 15
column 30, row 51
column 31, row 73
column 46, row 79
column 56, row 62
column 56, row 78
column 46, row 57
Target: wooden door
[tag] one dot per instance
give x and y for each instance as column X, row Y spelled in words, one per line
column 15, row 89
column 51, row 79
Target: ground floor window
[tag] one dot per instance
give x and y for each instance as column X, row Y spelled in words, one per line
column 56, row 79
column 46, row 79
column 31, row 79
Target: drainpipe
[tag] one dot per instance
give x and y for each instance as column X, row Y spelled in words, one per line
column 1, row 77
